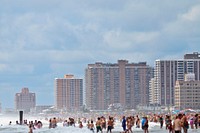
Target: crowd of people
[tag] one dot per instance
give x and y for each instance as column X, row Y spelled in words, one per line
column 129, row 122
column 35, row 125
column 177, row 123
column 172, row 123
column 99, row 124
column 32, row 125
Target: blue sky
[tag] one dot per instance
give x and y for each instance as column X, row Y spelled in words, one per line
column 41, row 40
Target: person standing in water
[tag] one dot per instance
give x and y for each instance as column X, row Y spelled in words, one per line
column 177, row 124
column 137, row 122
column 92, row 126
column 110, row 125
column 145, row 124
column 124, row 123
column 98, row 125
column 161, row 121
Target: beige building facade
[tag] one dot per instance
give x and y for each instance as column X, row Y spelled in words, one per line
column 25, row 100
column 122, row 83
column 187, row 94
column 69, row 93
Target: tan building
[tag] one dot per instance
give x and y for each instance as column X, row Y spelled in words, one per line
column 25, row 100
column 122, row 83
column 69, row 93
column 187, row 94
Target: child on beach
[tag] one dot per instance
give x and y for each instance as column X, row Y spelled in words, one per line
column 92, row 126
column 39, row 124
column 65, row 123
column 80, row 124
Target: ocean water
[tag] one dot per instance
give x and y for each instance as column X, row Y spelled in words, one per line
column 13, row 128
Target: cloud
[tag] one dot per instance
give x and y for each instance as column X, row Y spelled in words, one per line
column 16, row 69
column 3, row 67
column 185, row 24
column 41, row 40
column 182, row 33
column 126, row 40
column 193, row 14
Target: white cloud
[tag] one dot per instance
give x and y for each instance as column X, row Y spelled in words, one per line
column 129, row 40
column 53, row 38
column 16, row 69
column 193, row 14
column 3, row 67
column 185, row 23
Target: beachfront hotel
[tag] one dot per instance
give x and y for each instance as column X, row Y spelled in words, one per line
column 122, row 83
column 25, row 100
column 69, row 93
column 187, row 93
column 167, row 72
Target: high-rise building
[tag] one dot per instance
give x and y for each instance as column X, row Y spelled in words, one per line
column 167, row 72
column 125, row 84
column 187, row 93
column 165, row 76
column 69, row 93
column 25, row 100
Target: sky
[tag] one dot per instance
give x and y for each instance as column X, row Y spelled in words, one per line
column 41, row 40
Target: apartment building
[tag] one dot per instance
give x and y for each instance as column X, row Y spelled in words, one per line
column 122, row 83
column 69, row 93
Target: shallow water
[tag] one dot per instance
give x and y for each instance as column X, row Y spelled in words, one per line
column 13, row 128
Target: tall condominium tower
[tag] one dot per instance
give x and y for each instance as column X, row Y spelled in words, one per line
column 25, row 100
column 167, row 72
column 69, row 93
column 123, row 83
